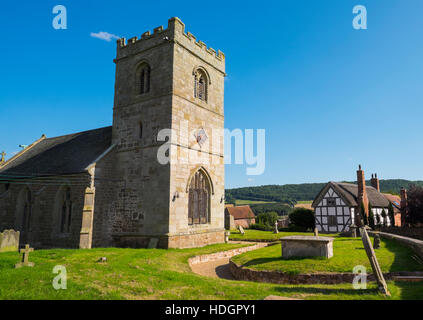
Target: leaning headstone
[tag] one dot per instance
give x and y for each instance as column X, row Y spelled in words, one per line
column 376, row 241
column 316, row 232
column 153, row 243
column 383, row 288
column 9, row 241
column 25, row 257
column 241, row 230
column 276, row 231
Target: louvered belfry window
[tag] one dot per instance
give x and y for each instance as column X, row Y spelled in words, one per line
column 199, row 199
column 200, row 85
column 144, row 79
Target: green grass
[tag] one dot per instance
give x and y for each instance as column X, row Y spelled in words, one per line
column 305, row 202
column 263, row 235
column 240, row 202
column 348, row 252
column 155, row 274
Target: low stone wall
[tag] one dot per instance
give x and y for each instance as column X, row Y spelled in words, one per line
column 413, row 232
column 414, row 244
column 241, row 273
column 224, row 254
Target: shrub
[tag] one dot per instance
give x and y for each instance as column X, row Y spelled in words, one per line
column 267, row 219
column 391, row 214
column 415, row 205
column 262, row 227
column 302, row 218
column 364, row 219
column 384, row 215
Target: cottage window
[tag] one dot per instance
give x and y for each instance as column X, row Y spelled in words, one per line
column 332, row 221
column 331, row 202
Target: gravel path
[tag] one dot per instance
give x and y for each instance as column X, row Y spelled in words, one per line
column 214, row 269
column 219, row 268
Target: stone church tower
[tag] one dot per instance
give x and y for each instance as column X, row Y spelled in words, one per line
column 153, row 179
column 168, row 130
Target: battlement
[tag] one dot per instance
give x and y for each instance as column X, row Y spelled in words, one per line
column 175, row 25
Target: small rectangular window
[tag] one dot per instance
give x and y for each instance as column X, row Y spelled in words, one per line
column 140, row 130
column 332, row 221
column 331, row 202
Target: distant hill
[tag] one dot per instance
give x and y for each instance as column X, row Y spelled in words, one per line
column 291, row 193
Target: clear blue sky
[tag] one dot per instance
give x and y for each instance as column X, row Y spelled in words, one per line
column 330, row 97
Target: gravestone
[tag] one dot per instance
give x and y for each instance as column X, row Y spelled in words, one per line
column 276, row 228
column 316, row 232
column 353, row 229
column 374, row 263
column 25, row 257
column 153, row 243
column 9, row 241
column 241, row 230
column 227, row 234
column 376, row 241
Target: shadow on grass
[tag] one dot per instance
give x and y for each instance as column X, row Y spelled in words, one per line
column 410, row 290
column 326, row 291
column 259, row 261
column 403, row 260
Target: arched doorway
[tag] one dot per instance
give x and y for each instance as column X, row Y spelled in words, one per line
column 199, row 198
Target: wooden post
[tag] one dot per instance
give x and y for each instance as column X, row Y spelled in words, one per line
column 383, row 288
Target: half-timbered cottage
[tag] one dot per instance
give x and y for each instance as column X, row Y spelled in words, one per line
column 337, row 204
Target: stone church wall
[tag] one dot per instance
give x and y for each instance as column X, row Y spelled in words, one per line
column 44, row 231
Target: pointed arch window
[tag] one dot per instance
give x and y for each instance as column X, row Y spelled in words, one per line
column 143, row 77
column 66, row 211
column 199, row 199
column 27, row 210
column 200, row 85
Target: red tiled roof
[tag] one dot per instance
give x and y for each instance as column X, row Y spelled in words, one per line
column 395, row 200
column 241, row 212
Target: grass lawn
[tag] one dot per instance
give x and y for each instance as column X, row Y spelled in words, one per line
column 305, row 202
column 348, row 252
column 263, row 235
column 155, row 274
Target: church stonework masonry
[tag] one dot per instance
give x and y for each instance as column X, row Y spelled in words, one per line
column 117, row 190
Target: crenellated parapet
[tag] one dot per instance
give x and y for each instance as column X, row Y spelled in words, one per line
column 174, row 33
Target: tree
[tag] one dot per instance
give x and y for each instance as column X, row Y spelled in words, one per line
column 267, row 219
column 391, row 214
column 364, row 218
column 415, row 205
column 384, row 215
column 303, row 218
column 371, row 220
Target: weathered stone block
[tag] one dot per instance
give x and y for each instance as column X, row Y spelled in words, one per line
column 307, row 246
column 9, row 241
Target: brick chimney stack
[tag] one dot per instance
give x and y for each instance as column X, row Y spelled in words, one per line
column 362, row 192
column 375, row 182
column 404, row 205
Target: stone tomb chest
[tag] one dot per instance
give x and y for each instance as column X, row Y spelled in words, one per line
column 307, row 246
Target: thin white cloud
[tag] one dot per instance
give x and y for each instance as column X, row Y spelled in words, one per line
column 104, row 36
